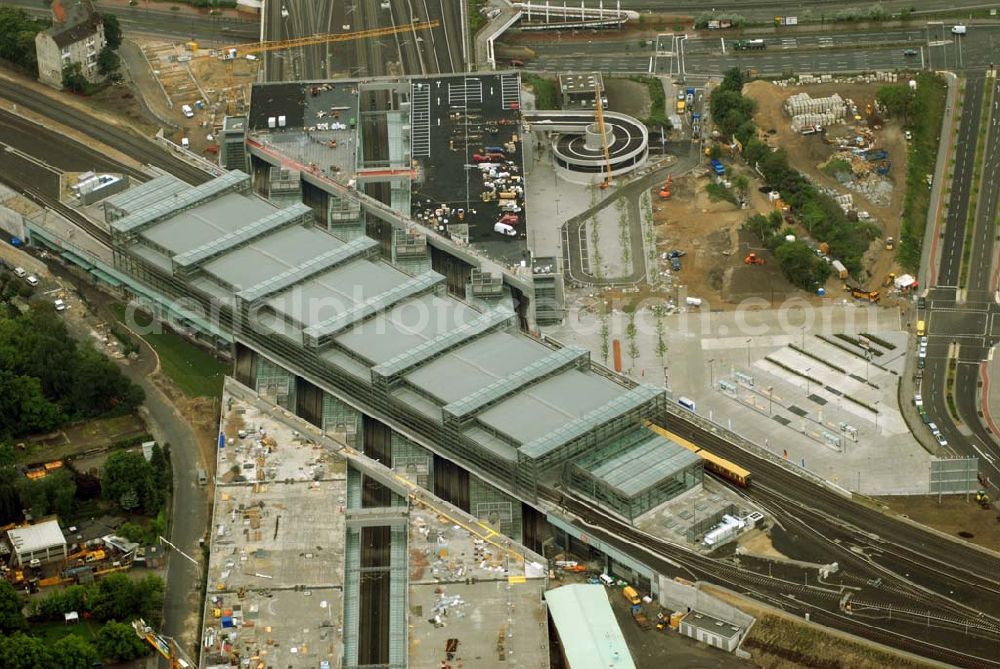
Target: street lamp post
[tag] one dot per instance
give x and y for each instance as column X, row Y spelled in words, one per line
column 770, row 399
column 876, row 416
column 748, row 352
column 803, row 336
column 711, row 372
column 808, row 387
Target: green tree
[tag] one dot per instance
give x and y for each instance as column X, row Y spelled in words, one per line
column 898, row 100
column 23, row 407
column 149, row 597
column 132, row 532
column 112, row 31
column 631, row 332
column 73, row 79
column 18, row 651
column 107, row 61
column 733, row 80
column 801, row 266
column 127, row 479
column 17, row 38
column 58, row 602
column 118, row 642
column 74, row 652
column 11, row 603
column 114, row 598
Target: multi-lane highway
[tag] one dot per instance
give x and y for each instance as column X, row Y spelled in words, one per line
column 791, row 51
column 804, row 9
column 411, row 51
column 157, row 20
column 962, row 316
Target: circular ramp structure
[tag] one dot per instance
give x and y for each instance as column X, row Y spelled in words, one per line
column 577, row 146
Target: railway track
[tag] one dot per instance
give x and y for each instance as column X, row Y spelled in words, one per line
column 821, row 602
column 140, row 148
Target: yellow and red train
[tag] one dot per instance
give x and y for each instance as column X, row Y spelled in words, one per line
column 713, row 463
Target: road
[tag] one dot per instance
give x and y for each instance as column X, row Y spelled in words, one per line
column 165, row 23
column 793, row 52
column 182, row 598
column 410, row 52
column 21, row 144
column 805, row 9
column 126, row 141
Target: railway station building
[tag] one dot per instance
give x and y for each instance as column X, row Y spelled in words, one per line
column 434, row 169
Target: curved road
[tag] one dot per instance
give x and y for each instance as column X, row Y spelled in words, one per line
column 573, row 251
column 182, row 597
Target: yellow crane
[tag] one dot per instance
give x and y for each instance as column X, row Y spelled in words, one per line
column 599, row 108
column 163, row 645
column 278, row 45
column 229, row 53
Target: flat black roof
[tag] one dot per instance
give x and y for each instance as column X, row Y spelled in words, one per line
column 467, row 114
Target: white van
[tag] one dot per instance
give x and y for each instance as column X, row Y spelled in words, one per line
column 687, row 403
column 187, row 111
column 606, row 580
column 504, row 229
column 185, row 142
column 20, row 272
column 958, row 30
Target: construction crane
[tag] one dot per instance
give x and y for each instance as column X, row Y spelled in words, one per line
column 599, row 108
column 229, row 53
column 164, row 645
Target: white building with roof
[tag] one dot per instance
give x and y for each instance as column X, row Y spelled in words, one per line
column 589, row 634
column 42, row 541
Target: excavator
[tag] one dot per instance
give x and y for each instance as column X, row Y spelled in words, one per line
column 753, row 259
column 665, row 191
column 983, row 499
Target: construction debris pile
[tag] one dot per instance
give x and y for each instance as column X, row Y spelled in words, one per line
column 812, row 113
column 446, row 564
column 865, row 78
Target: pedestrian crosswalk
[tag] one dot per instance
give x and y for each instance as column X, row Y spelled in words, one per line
column 468, row 91
column 510, row 90
column 420, row 120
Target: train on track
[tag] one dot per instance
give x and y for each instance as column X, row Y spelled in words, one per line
column 719, row 466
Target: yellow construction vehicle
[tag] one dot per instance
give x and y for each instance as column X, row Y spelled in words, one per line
column 862, row 294
column 164, row 645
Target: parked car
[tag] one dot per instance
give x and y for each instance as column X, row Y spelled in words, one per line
column 32, row 280
column 60, row 305
column 20, row 272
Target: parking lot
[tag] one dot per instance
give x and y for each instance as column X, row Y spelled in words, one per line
column 467, row 131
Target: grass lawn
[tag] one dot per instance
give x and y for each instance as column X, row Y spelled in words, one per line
column 194, row 371
column 53, row 631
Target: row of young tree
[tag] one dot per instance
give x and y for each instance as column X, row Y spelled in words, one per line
column 817, row 212
column 47, row 379
column 113, row 601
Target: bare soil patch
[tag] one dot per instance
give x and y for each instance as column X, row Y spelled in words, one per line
column 627, row 97
column 953, row 515
column 709, row 233
column 808, row 152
